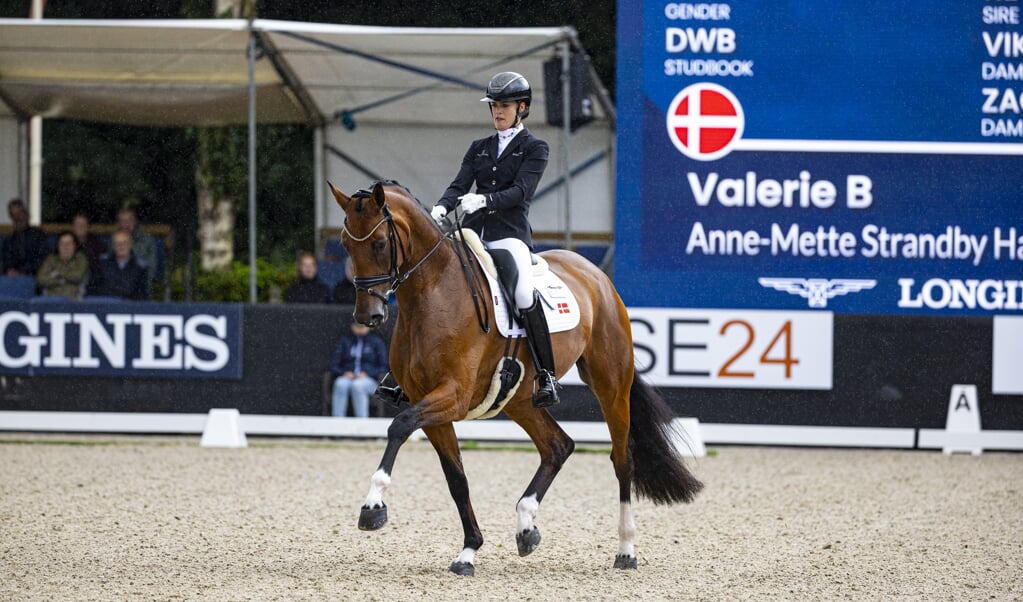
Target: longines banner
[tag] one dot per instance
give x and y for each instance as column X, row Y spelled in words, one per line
column 121, row 339
column 858, row 157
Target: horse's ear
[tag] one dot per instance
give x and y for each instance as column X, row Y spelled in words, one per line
column 378, row 194
column 342, row 200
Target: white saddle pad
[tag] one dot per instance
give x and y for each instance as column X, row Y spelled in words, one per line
column 560, row 304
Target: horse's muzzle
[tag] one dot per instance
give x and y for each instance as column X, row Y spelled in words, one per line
column 373, row 317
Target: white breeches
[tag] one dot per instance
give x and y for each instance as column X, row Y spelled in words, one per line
column 520, row 252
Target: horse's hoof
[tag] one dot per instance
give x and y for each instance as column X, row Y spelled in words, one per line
column 527, row 541
column 625, row 562
column 465, row 569
column 371, row 519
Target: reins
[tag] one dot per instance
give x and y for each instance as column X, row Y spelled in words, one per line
column 472, row 277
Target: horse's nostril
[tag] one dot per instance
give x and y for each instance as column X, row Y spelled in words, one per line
column 375, row 320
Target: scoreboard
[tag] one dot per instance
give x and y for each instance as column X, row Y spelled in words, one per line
column 862, row 158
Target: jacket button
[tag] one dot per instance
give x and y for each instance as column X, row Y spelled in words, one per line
column 493, row 182
column 494, row 168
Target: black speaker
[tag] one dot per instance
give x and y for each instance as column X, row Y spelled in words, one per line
column 580, row 103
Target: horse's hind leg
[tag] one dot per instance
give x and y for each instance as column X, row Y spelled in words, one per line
column 445, row 442
column 608, row 383
column 554, row 446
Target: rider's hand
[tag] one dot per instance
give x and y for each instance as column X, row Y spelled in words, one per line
column 472, row 202
column 439, row 213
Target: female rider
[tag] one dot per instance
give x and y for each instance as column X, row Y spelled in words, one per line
column 506, row 168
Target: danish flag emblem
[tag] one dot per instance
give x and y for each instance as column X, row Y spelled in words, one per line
column 704, row 121
column 563, row 308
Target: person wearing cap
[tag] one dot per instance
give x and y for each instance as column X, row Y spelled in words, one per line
column 505, row 168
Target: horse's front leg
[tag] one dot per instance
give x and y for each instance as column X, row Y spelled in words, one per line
column 374, row 510
column 554, row 446
column 445, row 442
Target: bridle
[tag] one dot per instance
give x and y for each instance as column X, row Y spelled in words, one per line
column 394, row 278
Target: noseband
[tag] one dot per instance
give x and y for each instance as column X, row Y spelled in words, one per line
column 394, row 278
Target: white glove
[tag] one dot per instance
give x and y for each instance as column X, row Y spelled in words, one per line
column 439, row 213
column 472, row 202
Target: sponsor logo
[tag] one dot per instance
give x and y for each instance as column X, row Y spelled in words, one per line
column 705, row 121
column 117, row 343
column 938, row 293
column 817, row 291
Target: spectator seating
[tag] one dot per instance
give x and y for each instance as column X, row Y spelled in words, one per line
column 595, row 253
column 17, row 287
column 333, row 250
column 160, row 232
column 330, row 273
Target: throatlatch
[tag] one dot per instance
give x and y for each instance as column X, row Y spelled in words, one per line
column 539, row 336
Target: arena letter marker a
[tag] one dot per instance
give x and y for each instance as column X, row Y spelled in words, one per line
column 962, row 427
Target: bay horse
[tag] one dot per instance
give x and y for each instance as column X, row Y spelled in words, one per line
column 444, row 362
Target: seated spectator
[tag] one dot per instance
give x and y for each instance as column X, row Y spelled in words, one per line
column 120, row 274
column 89, row 244
column 359, row 362
column 308, row 288
column 65, row 272
column 143, row 245
column 344, row 290
column 26, row 248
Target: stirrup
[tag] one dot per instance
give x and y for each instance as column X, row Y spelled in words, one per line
column 546, row 394
column 392, row 395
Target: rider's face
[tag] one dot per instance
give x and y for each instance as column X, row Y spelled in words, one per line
column 504, row 114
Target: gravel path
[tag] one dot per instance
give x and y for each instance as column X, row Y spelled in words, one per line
column 115, row 518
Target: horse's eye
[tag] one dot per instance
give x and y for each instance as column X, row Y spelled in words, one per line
column 378, row 246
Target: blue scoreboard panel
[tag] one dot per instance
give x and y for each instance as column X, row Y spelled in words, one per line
column 848, row 157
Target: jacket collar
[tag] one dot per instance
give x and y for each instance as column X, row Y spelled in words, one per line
column 514, row 144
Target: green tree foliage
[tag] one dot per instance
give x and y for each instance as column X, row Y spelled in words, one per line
column 233, row 284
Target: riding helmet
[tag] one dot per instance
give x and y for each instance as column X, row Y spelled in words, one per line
column 509, row 86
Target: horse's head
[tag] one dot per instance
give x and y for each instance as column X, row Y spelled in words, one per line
column 376, row 235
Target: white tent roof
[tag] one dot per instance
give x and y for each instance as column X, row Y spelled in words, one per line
column 195, row 72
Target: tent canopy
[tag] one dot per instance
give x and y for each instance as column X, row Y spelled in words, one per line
column 390, row 92
column 196, row 72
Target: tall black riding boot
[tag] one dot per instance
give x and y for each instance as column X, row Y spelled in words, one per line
column 539, row 337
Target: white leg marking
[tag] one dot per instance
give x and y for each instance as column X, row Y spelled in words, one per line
column 468, row 556
column 525, row 512
column 626, row 531
column 378, row 485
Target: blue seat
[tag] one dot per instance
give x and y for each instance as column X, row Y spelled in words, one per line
column 595, row 253
column 330, row 272
column 161, row 251
column 17, row 287
column 333, row 250
column 540, row 248
column 49, row 299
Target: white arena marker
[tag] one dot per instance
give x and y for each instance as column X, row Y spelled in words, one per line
column 688, row 439
column 223, row 429
column 962, row 427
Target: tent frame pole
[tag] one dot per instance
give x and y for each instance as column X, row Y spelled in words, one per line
column 252, row 166
column 566, row 135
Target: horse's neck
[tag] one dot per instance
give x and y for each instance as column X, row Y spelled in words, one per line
column 439, row 283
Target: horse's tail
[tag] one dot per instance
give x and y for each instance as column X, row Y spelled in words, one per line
column 659, row 473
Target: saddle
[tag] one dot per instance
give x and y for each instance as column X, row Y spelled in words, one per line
column 499, row 265
column 560, row 306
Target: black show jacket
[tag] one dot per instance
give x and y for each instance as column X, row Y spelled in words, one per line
column 508, row 182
